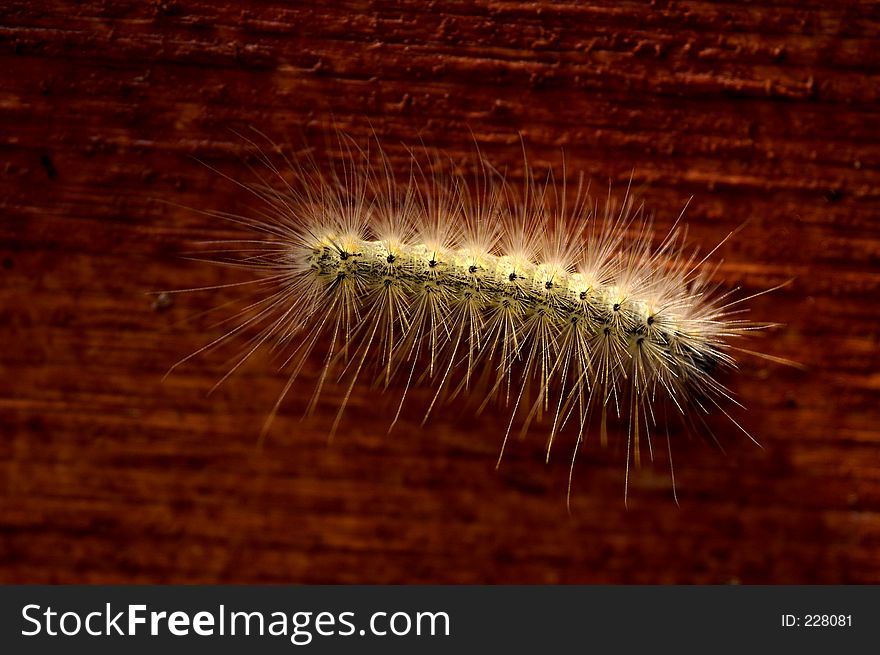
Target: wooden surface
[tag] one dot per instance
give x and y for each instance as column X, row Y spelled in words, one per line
column 762, row 111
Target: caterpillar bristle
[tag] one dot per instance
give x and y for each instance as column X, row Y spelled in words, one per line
column 533, row 295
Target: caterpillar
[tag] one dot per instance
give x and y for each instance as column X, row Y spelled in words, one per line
column 532, row 295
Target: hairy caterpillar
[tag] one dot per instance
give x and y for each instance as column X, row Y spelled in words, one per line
column 528, row 295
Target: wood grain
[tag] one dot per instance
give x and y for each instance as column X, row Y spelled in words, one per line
column 765, row 112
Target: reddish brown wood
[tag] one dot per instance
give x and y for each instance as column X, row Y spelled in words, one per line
column 762, row 111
